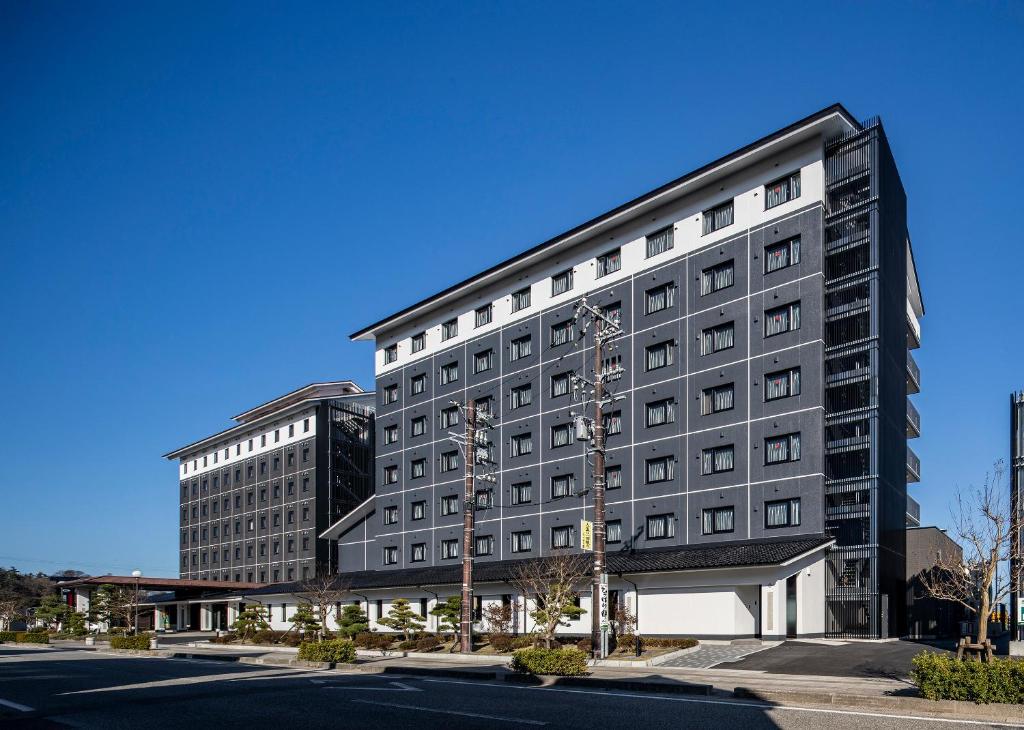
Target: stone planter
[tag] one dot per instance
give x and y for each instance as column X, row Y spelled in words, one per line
column 154, row 643
column 90, row 641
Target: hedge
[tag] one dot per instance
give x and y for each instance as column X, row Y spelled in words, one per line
column 562, row 662
column 334, row 651
column 31, row 637
column 140, row 641
column 943, row 677
column 7, row 636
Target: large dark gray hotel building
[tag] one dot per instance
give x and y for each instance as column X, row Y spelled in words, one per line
column 758, row 447
column 255, row 497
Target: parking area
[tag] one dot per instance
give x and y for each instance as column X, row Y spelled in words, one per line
column 884, row 659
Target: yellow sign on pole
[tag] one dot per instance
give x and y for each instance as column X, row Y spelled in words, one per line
column 586, row 535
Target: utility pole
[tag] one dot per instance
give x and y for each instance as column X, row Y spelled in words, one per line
column 468, row 510
column 477, row 423
column 605, row 330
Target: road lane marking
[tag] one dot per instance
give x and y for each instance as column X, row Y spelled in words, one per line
column 397, row 687
column 478, row 715
column 16, row 706
column 736, row 703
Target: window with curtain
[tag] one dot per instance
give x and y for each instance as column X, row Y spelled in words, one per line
column 613, row 477
column 449, row 461
column 484, row 499
column 562, row 485
column 782, row 384
column 418, row 384
column 613, row 531
column 718, row 459
column 419, row 341
column 660, row 298
column 561, row 435
column 449, row 417
column 717, row 399
column 561, row 333
column 390, row 475
column 449, row 373
column 660, row 241
column 562, row 537
column 718, row 277
column 782, row 319
column 781, row 255
column 520, row 347
column 390, row 434
column 484, row 545
column 418, row 553
column 718, row 338
column 660, row 469
column 417, row 468
column 522, row 542
column 418, row 510
column 390, row 394
column 609, row 263
column 660, row 355
column 521, row 444
column 483, row 361
column 661, row 527
column 390, row 355
column 780, row 449
column 717, row 520
column 390, row 555
column 613, row 423
column 450, row 329
column 522, row 492
column 418, row 426
column 561, row 384
column 520, row 396
column 782, row 513
column 521, row 299
column 612, row 367
column 484, row 314
column 391, row 515
column 449, row 549
column 661, row 412
column 449, row 504
column 782, row 190
column 613, row 312
column 561, row 283
column 718, row 217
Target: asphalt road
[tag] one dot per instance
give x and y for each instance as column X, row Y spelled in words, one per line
column 868, row 659
column 85, row 689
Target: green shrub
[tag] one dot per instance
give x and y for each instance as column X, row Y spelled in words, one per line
column 140, row 641
column 562, row 662
column 943, row 677
column 526, row 641
column 428, row 643
column 372, row 640
column 335, row 651
column 7, row 636
column 407, row 645
column 32, row 637
column 500, row 642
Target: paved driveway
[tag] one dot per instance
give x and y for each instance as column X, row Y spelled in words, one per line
column 710, row 655
column 888, row 659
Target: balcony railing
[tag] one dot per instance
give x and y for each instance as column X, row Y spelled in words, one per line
column 913, row 375
column 913, row 467
column 913, row 512
column 913, row 421
column 913, row 329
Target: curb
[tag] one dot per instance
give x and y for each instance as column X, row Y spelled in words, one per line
column 442, row 672
column 946, row 708
column 623, row 685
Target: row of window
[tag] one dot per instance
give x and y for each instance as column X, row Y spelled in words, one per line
column 250, row 499
column 250, row 524
column 238, row 446
column 714, row 521
column 204, row 487
column 716, row 399
column 778, row 320
column 719, row 277
column 214, row 555
column 250, row 576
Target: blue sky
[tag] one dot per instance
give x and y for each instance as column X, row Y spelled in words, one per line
column 198, row 203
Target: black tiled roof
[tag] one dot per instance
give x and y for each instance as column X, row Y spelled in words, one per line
column 734, row 554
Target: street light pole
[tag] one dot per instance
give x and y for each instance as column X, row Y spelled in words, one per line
column 136, row 574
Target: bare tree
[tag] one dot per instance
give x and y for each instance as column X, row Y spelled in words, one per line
column 324, row 591
column 982, row 523
column 10, row 611
column 112, row 604
column 554, row 584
